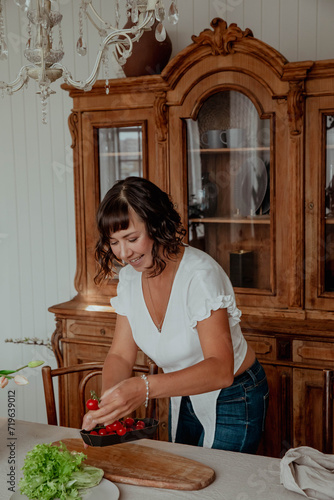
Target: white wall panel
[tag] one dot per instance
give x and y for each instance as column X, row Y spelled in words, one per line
column 185, row 27
column 235, row 14
column 325, row 32
column 307, row 30
column 270, row 22
column 201, row 16
column 222, row 8
column 253, row 17
column 288, row 24
column 37, row 233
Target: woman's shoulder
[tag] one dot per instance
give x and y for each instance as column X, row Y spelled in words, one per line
column 195, row 258
column 200, row 267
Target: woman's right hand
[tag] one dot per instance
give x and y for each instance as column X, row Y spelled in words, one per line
column 116, row 403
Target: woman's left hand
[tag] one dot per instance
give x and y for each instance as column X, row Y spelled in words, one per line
column 117, row 402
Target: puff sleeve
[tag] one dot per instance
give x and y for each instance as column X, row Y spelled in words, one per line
column 209, row 290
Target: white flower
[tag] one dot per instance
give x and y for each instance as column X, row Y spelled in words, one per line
column 3, row 382
column 20, row 380
column 5, row 375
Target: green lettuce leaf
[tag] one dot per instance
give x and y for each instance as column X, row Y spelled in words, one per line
column 54, row 472
column 87, row 477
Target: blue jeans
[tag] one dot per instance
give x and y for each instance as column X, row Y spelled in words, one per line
column 240, row 414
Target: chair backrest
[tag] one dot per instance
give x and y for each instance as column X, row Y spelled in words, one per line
column 93, row 370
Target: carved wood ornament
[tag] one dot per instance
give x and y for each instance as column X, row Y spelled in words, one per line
column 223, row 37
column 296, row 104
column 161, row 116
column 73, row 120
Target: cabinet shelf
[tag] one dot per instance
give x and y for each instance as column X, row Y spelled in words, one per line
column 122, row 154
column 228, row 150
column 256, row 219
column 329, row 220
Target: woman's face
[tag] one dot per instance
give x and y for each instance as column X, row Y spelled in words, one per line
column 133, row 245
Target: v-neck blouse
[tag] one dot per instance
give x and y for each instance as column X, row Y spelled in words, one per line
column 200, row 286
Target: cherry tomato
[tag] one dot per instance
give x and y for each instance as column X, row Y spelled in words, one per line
column 121, row 431
column 140, row 424
column 110, row 429
column 94, row 433
column 129, row 422
column 115, row 425
column 102, row 432
column 92, row 404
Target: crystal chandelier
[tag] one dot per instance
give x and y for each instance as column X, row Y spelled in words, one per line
column 44, row 52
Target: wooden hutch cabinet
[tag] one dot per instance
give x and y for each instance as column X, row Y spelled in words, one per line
column 243, row 140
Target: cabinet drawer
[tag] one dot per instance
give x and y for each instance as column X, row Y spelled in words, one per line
column 264, row 347
column 313, row 353
column 90, row 329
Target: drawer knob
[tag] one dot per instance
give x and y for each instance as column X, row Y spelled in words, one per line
column 102, row 331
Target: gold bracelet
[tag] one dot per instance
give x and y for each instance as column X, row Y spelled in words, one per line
column 144, row 377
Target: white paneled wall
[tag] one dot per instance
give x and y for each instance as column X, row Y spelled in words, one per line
column 37, row 233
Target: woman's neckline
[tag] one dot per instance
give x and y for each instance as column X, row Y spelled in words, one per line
column 160, row 325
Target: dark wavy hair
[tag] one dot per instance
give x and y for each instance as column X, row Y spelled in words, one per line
column 154, row 207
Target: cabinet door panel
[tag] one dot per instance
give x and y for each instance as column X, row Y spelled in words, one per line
column 308, row 387
column 319, row 190
column 228, row 160
column 114, row 145
column 277, row 435
column 248, row 238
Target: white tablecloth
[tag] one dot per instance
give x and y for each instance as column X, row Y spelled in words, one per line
column 238, row 476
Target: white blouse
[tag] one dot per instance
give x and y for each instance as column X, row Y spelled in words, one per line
column 200, row 286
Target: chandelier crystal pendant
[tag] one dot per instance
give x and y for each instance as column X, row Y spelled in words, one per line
column 44, row 53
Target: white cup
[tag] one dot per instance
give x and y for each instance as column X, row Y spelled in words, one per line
column 233, row 138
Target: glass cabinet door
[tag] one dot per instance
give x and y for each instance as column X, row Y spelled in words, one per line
column 228, row 159
column 120, row 155
column 113, row 149
column 329, row 207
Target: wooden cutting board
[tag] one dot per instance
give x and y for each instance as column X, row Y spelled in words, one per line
column 144, row 466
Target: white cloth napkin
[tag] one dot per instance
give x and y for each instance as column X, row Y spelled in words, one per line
column 309, row 472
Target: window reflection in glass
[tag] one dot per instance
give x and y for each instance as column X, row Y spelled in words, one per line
column 329, row 187
column 329, row 206
column 120, row 155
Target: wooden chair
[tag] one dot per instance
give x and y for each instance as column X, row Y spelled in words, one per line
column 94, row 370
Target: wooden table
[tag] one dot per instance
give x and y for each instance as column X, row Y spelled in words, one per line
column 238, row 476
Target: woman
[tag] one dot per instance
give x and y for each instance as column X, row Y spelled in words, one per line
column 177, row 305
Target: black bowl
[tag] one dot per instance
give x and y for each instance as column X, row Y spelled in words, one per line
column 147, row 432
